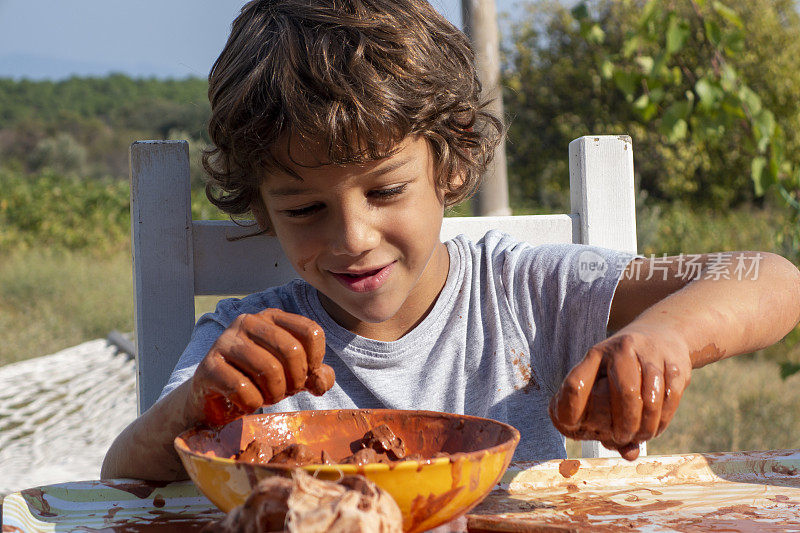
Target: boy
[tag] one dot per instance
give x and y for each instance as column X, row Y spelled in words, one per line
column 346, row 127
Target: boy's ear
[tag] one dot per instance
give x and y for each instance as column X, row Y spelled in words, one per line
column 259, row 211
column 455, row 183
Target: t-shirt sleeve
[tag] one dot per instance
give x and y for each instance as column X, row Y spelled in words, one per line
column 562, row 294
column 205, row 333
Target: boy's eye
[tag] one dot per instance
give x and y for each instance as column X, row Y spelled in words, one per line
column 383, row 194
column 303, row 211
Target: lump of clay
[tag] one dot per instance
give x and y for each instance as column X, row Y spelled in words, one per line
column 383, row 440
column 304, row 504
column 255, row 452
column 379, row 445
column 295, row 455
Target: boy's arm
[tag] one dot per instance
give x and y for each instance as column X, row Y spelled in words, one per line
column 144, row 449
column 258, row 360
column 627, row 388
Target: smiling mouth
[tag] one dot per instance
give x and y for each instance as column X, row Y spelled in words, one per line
column 368, row 280
column 362, row 274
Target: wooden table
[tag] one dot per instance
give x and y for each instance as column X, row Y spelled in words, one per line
column 755, row 491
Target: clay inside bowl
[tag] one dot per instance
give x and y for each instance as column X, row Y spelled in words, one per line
column 426, row 435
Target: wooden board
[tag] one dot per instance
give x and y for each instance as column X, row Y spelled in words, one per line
column 111, row 505
column 749, row 491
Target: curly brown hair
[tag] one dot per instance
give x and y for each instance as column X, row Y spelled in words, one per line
column 356, row 76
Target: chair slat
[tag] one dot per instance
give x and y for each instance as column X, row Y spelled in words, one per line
column 162, row 261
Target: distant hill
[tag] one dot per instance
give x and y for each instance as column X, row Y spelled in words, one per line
column 33, row 67
column 84, row 125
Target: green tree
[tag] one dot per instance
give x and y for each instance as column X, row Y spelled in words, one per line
column 696, row 84
column 61, row 153
column 101, row 116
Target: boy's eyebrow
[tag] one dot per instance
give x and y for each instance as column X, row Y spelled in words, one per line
column 293, row 190
column 394, row 165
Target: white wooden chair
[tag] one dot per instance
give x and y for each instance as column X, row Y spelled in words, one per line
column 176, row 258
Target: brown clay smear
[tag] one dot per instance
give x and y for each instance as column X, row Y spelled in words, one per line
column 140, row 489
column 690, row 507
column 706, row 354
column 528, row 381
column 378, row 445
column 38, row 496
column 569, row 467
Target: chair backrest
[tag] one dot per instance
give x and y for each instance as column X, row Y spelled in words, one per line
column 176, row 258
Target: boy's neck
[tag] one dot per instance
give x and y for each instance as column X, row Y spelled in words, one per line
column 417, row 306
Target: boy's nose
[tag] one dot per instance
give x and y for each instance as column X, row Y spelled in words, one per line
column 354, row 235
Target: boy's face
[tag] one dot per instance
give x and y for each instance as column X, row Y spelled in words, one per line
column 365, row 235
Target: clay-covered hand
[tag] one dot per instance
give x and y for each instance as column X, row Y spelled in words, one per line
column 259, row 360
column 625, row 390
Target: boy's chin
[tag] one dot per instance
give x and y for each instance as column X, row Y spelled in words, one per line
column 372, row 316
column 367, row 314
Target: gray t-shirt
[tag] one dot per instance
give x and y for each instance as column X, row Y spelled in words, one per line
column 509, row 324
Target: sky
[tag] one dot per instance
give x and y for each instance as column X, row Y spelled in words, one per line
column 54, row 39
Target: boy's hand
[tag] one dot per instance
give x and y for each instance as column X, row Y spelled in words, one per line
column 259, row 360
column 626, row 390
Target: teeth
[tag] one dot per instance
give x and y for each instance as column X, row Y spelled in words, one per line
column 362, row 275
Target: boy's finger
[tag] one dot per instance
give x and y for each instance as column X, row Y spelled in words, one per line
column 260, row 366
column 596, row 421
column 625, row 385
column 309, row 332
column 629, row 451
column 652, row 401
column 674, row 385
column 571, row 398
column 320, row 380
column 284, row 347
column 224, row 392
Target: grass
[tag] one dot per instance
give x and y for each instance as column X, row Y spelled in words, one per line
column 733, row 405
column 54, row 299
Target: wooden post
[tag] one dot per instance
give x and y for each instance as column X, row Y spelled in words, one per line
column 480, row 24
column 161, row 235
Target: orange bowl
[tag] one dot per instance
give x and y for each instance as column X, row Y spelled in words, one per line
column 429, row 492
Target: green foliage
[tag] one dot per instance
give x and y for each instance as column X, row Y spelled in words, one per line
column 705, row 91
column 61, row 153
column 85, row 125
column 680, row 67
column 64, row 155
column 737, row 404
column 66, row 212
column 51, row 209
column 676, row 228
column 117, row 100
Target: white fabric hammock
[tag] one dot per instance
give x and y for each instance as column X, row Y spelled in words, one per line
column 59, row 414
